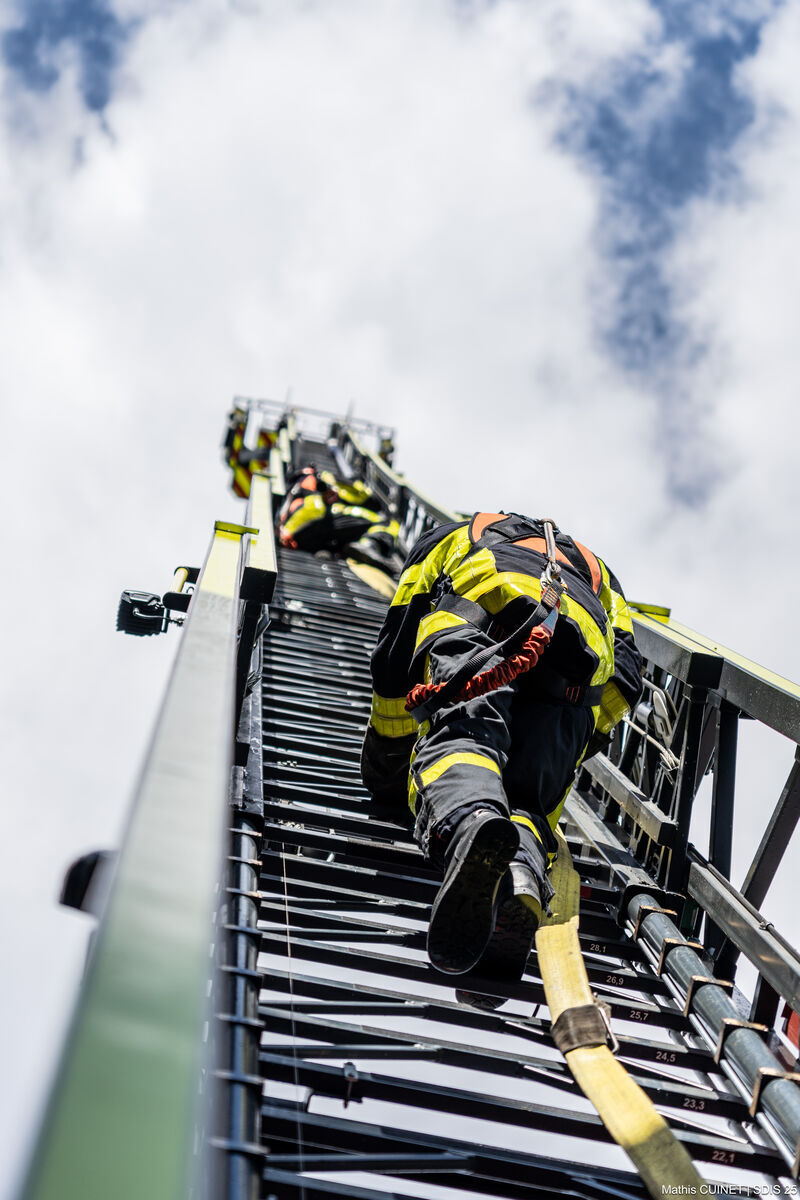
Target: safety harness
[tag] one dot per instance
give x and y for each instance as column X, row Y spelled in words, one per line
column 535, row 633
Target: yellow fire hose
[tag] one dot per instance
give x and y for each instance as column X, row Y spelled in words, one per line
column 625, row 1110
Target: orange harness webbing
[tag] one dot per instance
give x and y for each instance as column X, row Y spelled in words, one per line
column 488, row 681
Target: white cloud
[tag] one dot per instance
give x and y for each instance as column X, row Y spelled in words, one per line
column 731, row 570
column 737, row 268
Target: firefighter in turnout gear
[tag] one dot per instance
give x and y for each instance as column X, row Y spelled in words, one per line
column 242, row 460
column 507, row 657
column 321, row 512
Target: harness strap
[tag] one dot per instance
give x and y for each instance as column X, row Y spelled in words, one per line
column 554, row 686
column 490, row 529
column 487, row 530
column 468, row 609
column 508, row 528
column 423, row 699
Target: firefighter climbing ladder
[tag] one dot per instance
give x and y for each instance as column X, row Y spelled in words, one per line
column 259, row 1018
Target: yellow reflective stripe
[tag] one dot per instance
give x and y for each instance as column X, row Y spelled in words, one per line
column 528, row 825
column 389, row 717
column 612, row 708
column 393, row 727
column 625, row 1110
column 435, row 622
column 408, row 585
column 615, row 605
column 493, row 590
column 312, row 509
column 392, row 527
column 467, row 759
column 355, row 492
column 421, row 576
column 621, row 614
column 389, row 706
column 599, row 643
column 353, row 510
column 478, row 579
column 350, row 494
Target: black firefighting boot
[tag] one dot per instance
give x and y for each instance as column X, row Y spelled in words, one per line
column 463, row 912
column 519, row 912
column 518, row 915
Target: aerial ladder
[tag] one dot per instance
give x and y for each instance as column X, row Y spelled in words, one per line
column 258, row 1019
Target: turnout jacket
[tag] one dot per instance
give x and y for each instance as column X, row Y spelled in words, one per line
column 486, row 571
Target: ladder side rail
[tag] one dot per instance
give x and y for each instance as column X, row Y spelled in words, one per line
column 414, row 511
column 238, row 1130
column 746, row 929
column 135, row 1100
column 710, row 689
column 777, row 961
column 772, row 1091
column 739, row 1044
column 761, row 694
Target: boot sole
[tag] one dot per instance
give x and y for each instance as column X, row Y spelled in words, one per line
column 506, row 956
column 463, row 912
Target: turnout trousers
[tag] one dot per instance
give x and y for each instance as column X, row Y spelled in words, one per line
column 511, row 750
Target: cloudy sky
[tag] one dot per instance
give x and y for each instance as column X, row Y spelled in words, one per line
column 554, row 243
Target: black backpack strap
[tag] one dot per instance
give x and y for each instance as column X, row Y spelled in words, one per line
column 552, row 686
column 467, row 609
column 545, row 613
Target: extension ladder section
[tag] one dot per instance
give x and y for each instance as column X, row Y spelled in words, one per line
column 376, row 1068
column 259, row 1019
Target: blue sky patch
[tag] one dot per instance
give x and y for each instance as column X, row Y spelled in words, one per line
column 656, row 142
column 31, row 49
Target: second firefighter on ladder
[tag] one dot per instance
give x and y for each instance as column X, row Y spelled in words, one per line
column 482, row 737
column 321, row 512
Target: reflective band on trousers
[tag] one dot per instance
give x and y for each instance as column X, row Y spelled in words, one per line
column 528, row 824
column 468, row 759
